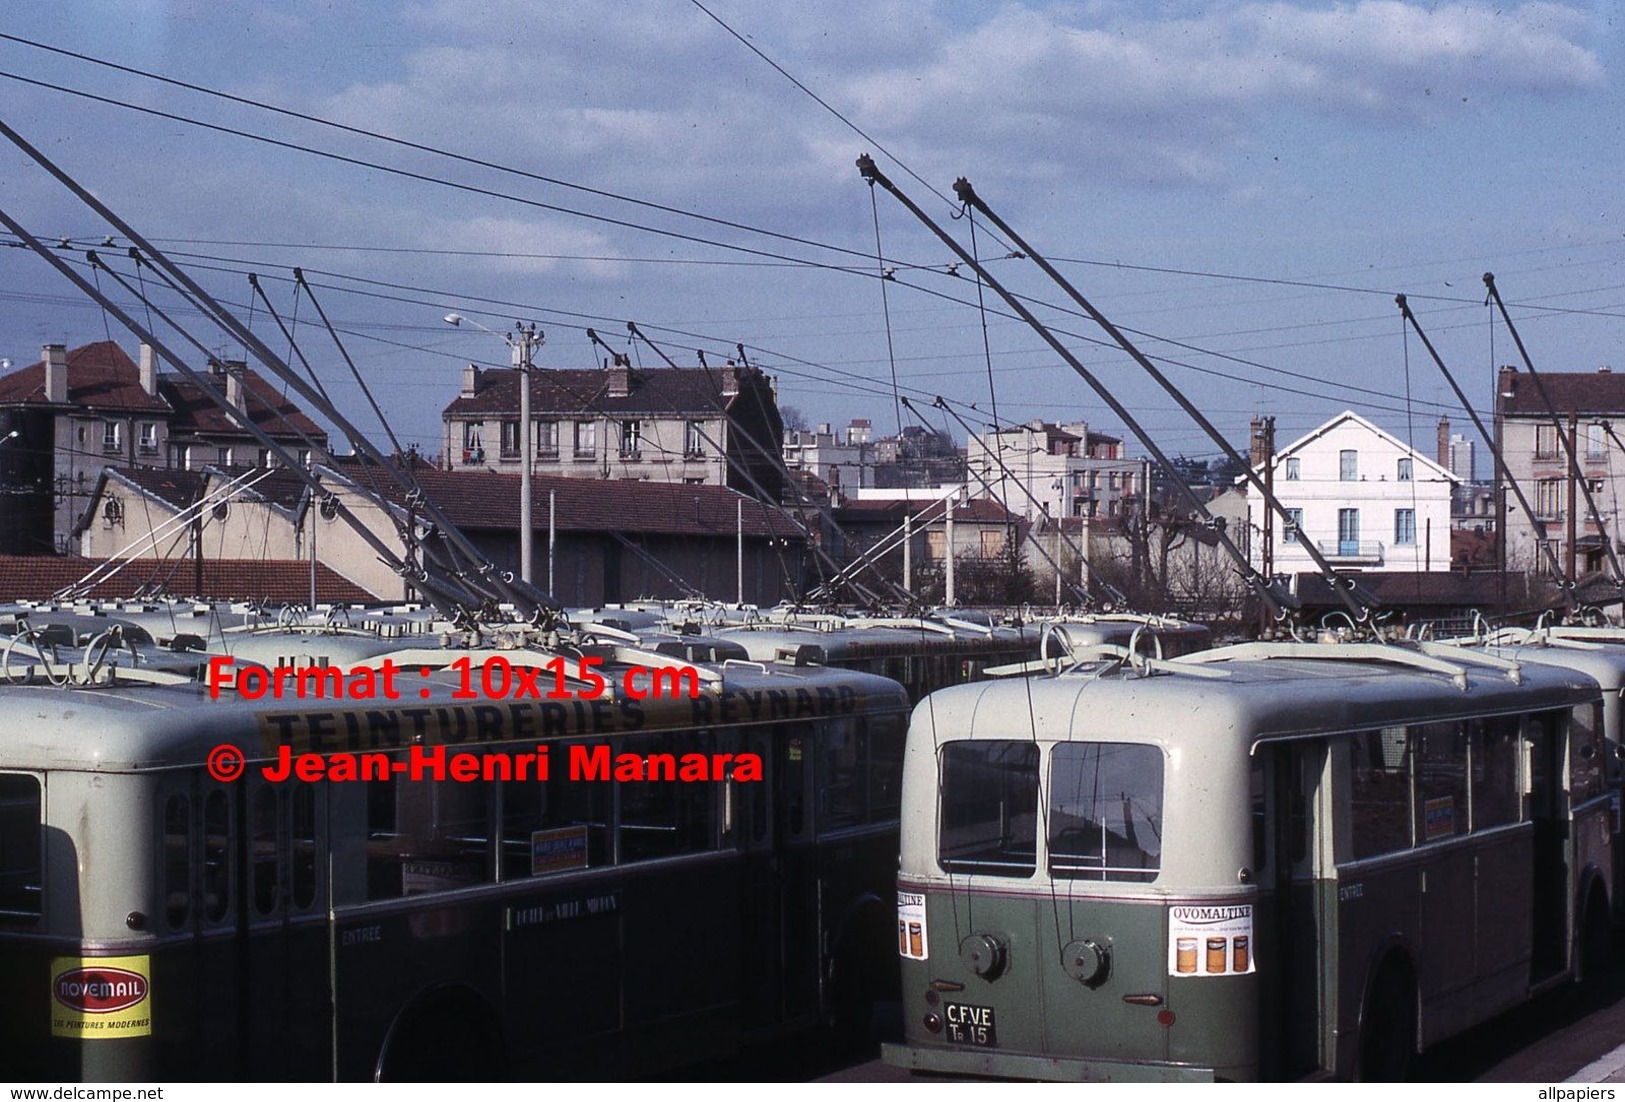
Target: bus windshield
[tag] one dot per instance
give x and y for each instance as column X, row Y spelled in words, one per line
column 990, row 807
column 1105, row 820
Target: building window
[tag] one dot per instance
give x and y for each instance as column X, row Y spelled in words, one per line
column 1545, row 441
column 694, row 439
column 222, row 456
column 1404, row 470
column 1549, row 497
column 304, row 457
column 1292, row 526
column 1348, row 531
column 265, row 457
column 1294, row 470
column 1348, row 465
column 992, row 544
column 547, row 439
column 149, row 438
column 112, row 436
column 586, row 442
column 1404, row 527
column 473, row 448
column 1596, row 441
column 510, row 440
column 631, row 439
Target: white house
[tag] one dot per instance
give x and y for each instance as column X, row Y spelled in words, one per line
column 1042, row 471
column 1366, row 499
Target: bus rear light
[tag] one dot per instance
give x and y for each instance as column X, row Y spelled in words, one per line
column 1165, row 1018
column 933, row 1023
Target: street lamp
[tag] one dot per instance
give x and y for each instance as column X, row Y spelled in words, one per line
column 528, row 339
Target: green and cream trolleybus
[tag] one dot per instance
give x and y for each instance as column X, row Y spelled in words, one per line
column 1264, row 861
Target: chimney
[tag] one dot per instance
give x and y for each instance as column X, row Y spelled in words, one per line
column 149, row 370
column 1506, row 386
column 620, row 378
column 235, row 370
column 56, row 372
column 471, row 381
column 1256, row 451
column 1444, row 443
column 730, row 380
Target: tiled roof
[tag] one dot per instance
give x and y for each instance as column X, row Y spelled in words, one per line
column 658, row 392
column 483, row 500
column 1583, row 392
column 37, row 578
column 1407, row 588
column 979, row 510
column 175, row 488
column 101, row 376
column 279, row 486
column 196, row 414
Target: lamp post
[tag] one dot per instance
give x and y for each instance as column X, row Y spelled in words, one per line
column 523, row 343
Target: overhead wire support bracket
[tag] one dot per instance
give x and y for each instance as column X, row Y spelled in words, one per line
column 1563, row 438
column 1274, row 596
column 1559, row 576
column 776, row 459
column 1356, row 599
column 530, row 599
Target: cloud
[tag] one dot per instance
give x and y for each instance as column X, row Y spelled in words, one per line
column 1170, row 99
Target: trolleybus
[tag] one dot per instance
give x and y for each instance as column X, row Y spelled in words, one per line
column 157, row 922
column 1272, row 860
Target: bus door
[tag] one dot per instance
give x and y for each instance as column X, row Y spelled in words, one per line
column 755, row 809
column 1552, row 874
column 282, row 928
column 1293, row 911
column 780, row 897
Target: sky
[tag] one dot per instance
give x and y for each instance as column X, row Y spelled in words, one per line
column 1242, row 187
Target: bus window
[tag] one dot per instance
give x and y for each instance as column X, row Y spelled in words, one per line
column 302, row 846
column 177, row 860
column 216, row 856
column 265, row 851
column 1258, row 812
column 553, row 826
column 1380, row 791
column 1586, row 757
column 1495, row 772
column 989, row 807
column 664, row 818
column 1105, row 815
column 427, row 836
column 1441, row 780
column 22, row 871
column 841, row 783
column 860, row 772
column 886, row 736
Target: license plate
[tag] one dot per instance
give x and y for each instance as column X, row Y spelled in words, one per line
column 969, row 1025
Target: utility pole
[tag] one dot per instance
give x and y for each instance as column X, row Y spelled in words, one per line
column 528, row 340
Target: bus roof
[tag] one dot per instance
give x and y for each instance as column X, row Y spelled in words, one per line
column 1251, row 695
column 130, row 727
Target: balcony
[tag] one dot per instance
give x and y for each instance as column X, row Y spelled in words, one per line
column 1351, row 552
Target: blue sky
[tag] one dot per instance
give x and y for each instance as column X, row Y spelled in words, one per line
column 1378, row 145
